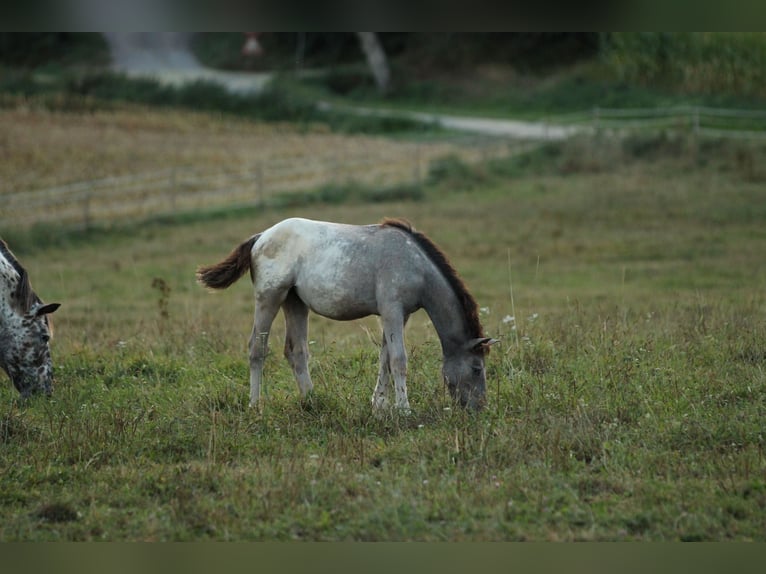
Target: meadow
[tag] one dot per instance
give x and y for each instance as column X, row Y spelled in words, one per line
column 626, row 399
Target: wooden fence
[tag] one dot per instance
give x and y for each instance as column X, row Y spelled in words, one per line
column 698, row 120
column 186, row 188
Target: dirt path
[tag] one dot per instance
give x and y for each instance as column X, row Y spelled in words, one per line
column 485, row 126
column 167, row 57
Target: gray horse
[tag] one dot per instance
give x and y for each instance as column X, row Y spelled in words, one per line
column 346, row 272
column 25, row 329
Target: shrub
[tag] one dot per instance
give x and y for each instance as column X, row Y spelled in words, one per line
column 454, row 173
column 694, row 62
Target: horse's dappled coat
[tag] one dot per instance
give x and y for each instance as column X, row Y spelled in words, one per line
column 24, row 328
column 346, row 272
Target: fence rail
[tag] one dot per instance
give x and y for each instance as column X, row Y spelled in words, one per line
column 187, row 188
column 700, row 120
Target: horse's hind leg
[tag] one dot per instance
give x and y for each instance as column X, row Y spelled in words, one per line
column 265, row 310
column 380, row 394
column 296, row 340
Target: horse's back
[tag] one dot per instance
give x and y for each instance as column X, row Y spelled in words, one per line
column 340, row 271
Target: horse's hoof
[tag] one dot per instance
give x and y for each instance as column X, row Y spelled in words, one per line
column 380, row 404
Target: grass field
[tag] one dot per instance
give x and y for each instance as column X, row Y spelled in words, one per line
column 42, row 148
column 626, row 399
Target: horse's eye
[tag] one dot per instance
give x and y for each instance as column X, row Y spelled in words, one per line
column 45, row 337
column 478, row 369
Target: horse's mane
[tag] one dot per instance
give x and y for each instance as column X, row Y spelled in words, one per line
column 24, row 296
column 437, row 256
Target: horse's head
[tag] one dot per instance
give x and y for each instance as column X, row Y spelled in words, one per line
column 24, row 329
column 26, row 355
column 464, row 373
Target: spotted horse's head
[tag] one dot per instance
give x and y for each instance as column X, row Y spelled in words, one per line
column 25, row 329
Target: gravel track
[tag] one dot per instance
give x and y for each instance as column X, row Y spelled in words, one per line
column 167, row 57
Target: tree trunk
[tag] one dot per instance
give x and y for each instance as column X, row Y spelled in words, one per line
column 376, row 58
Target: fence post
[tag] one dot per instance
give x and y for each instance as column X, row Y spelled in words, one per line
column 173, row 190
column 416, row 173
column 259, row 183
column 86, row 215
column 696, row 120
column 695, row 133
column 334, row 170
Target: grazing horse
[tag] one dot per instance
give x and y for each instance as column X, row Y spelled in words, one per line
column 24, row 329
column 346, row 272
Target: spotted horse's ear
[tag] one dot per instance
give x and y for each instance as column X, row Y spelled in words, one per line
column 46, row 309
column 480, row 344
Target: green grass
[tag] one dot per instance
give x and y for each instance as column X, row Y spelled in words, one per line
column 510, row 96
column 438, row 73
column 626, row 397
column 716, row 76
column 690, row 62
column 90, row 91
column 533, row 75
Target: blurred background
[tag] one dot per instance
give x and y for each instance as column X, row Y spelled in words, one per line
column 470, row 96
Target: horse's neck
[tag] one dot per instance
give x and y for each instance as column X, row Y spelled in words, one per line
column 445, row 312
column 8, row 323
column 9, row 278
column 8, row 316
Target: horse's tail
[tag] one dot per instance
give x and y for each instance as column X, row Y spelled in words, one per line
column 224, row 274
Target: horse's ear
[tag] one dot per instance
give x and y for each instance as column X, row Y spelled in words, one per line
column 481, row 344
column 47, row 309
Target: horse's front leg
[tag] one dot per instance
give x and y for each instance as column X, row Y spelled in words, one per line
column 393, row 332
column 296, row 341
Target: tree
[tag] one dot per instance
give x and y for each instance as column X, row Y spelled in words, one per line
column 376, row 58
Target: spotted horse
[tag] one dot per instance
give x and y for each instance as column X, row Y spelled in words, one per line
column 25, row 329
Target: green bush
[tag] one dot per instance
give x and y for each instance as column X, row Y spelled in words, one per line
column 541, row 159
column 694, row 62
column 653, row 145
column 453, row 173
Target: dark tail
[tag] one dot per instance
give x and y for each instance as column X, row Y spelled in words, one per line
column 227, row 272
